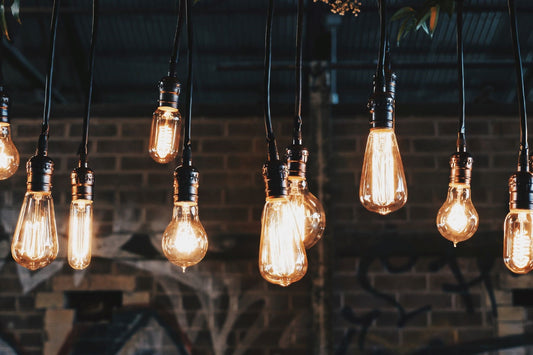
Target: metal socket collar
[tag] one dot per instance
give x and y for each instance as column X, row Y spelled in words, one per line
column 39, row 170
column 521, row 190
column 4, row 105
column 169, row 92
column 461, row 168
column 82, row 180
column 275, row 174
column 381, row 104
column 186, row 182
column 297, row 156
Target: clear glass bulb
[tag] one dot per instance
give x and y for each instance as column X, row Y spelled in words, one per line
column 308, row 211
column 165, row 134
column 282, row 258
column 383, row 188
column 457, row 219
column 518, row 241
column 35, row 240
column 9, row 155
column 80, row 233
column 185, row 240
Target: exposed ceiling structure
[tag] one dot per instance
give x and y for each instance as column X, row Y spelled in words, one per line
column 136, row 38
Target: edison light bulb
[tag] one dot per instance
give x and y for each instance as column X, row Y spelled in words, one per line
column 35, row 240
column 517, row 242
column 80, row 232
column 185, row 240
column 165, row 134
column 383, row 188
column 457, row 219
column 282, row 258
column 9, row 155
column 308, row 211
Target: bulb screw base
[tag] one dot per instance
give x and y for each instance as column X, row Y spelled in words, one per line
column 275, row 174
column 39, row 170
column 461, row 168
column 521, row 191
column 186, row 182
column 169, row 92
column 82, row 180
column 297, row 156
column 4, row 105
column 381, row 103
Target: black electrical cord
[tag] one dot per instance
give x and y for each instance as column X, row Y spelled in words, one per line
column 270, row 137
column 173, row 63
column 187, row 151
column 85, row 137
column 42, row 146
column 297, row 133
column 380, row 71
column 461, row 134
column 523, row 164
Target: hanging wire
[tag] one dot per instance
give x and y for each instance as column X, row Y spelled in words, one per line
column 461, row 134
column 270, row 137
column 297, row 133
column 380, row 71
column 187, row 151
column 173, row 63
column 83, row 150
column 42, row 146
column 523, row 164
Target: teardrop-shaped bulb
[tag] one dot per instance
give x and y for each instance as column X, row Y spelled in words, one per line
column 185, row 240
column 165, row 134
column 308, row 211
column 80, row 234
column 518, row 241
column 457, row 219
column 383, row 188
column 9, row 155
column 34, row 242
column 282, row 257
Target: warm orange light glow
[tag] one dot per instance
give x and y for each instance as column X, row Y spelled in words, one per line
column 383, row 188
column 282, row 257
column 80, row 234
column 457, row 219
column 185, row 240
column 34, row 242
column 308, row 211
column 9, row 155
column 517, row 241
column 165, row 134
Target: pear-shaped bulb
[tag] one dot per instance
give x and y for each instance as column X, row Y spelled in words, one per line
column 9, row 155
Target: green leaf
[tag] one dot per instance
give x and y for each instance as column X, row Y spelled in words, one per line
column 422, row 21
column 3, row 22
column 433, row 19
column 15, row 10
column 407, row 25
column 403, row 12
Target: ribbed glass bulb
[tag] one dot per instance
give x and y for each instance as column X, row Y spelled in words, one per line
column 518, row 241
column 457, row 219
column 80, row 234
column 9, row 155
column 185, row 240
column 282, row 257
column 383, row 188
column 165, row 134
column 308, row 211
column 34, row 242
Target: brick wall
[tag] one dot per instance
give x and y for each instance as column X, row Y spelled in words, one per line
column 395, row 296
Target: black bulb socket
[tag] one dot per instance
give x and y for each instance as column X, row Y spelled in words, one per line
column 297, row 156
column 186, row 182
column 521, row 191
column 4, row 105
column 82, row 181
column 461, row 168
column 382, row 103
column 169, row 92
column 39, row 170
column 275, row 174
